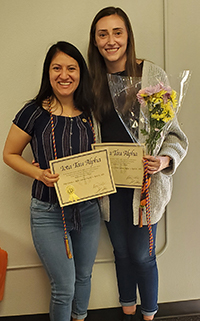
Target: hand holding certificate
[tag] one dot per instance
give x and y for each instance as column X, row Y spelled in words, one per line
column 83, row 177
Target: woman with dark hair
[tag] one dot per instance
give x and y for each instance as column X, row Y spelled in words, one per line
column 57, row 123
column 112, row 50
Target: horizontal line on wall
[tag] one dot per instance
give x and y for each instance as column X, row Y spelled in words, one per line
column 97, row 261
column 33, row 266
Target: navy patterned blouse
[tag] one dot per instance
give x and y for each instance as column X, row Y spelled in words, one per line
column 73, row 135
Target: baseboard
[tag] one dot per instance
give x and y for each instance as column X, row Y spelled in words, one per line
column 178, row 309
column 166, row 310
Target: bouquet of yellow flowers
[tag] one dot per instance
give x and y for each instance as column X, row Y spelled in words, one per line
column 147, row 111
column 161, row 103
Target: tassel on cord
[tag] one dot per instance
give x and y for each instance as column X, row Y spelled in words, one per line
column 69, row 254
column 145, row 202
column 140, row 217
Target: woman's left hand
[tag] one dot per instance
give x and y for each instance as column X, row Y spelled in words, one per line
column 156, row 164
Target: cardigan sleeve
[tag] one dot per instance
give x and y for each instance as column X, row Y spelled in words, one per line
column 175, row 145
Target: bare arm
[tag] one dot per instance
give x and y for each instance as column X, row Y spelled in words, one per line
column 16, row 142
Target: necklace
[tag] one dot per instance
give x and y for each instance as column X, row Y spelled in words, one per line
column 58, row 109
column 75, row 112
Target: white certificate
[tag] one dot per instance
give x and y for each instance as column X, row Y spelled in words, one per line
column 126, row 163
column 83, row 177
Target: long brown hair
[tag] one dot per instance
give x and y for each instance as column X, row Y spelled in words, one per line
column 97, row 66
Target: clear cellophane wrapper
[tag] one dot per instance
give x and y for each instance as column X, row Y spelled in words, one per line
column 147, row 113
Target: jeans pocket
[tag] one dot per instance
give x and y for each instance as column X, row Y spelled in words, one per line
column 40, row 206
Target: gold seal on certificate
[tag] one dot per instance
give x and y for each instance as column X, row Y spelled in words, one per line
column 83, row 177
column 72, row 196
column 126, row 163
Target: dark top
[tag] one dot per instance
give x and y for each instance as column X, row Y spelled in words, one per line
column 72, row 135
column 113, row 130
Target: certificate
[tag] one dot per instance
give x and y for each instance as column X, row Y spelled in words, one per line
column 83, row 177
column 126, row 163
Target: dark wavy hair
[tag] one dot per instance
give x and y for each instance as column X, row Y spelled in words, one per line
column 83, row 98
column 97, row 66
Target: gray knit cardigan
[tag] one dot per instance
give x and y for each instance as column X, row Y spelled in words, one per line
column 175, row 145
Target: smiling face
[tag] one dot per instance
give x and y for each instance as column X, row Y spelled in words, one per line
column 64, row 75
column 111, row 39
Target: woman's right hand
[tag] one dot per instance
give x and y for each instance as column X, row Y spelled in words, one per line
column 48, row 178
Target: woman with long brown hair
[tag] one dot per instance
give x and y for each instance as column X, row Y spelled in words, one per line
column 112, row 50
column 57, row 123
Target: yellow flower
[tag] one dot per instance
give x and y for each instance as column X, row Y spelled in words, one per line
column 173, row 98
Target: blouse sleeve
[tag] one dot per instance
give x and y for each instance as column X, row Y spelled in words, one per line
column 25, row 118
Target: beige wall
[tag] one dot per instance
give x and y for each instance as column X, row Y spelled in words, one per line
column 166, row 32
column 180, row 266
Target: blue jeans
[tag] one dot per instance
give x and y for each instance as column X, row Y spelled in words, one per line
column 70, row 278
column 134, row 266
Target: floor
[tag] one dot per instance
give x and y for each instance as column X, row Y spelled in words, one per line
column 172, row 311
column 184, row 318
column 99, row 318
column 116, row 315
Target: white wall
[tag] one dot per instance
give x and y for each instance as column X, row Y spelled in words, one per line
column 179, row 266
column 27, row 29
